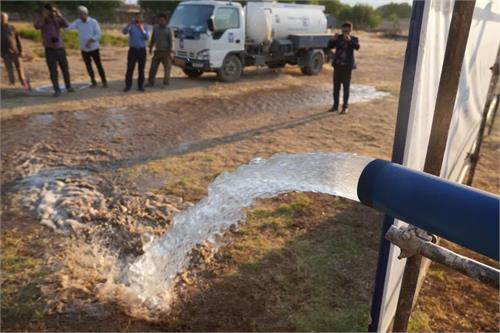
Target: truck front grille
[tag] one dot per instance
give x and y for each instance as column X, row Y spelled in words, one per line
column 185, row 54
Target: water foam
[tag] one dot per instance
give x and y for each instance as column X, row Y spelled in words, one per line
column 152, row 276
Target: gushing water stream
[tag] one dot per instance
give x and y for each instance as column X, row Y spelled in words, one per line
column 152, row 276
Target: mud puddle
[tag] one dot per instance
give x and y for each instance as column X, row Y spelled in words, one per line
column 94, row 137
column 107, row 224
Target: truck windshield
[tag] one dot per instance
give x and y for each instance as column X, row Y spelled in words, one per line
column 191, row 16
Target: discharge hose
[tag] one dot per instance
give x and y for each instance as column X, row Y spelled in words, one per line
column 458, row 213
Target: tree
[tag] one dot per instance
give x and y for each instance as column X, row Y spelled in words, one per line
column 100, row 9
column 333, row 7
column 157, row 7
column 21, row 6
column 362, row 16
column 392, row 10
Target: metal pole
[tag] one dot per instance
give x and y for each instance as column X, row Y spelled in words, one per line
column 448, row 85
column 474, row 157
column 492, row 123
column 410, row 243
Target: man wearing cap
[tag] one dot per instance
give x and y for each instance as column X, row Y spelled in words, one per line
column 51, row 23
column 89, row 34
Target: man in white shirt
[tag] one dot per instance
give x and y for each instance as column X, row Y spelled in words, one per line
column 89, row 34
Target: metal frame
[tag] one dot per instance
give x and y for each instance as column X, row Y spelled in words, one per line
column 412, row 242
column 417, row 266
column 405, row 98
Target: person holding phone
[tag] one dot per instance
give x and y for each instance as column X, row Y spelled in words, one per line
column 343, row 63
column 51, row 23
column 138, row 37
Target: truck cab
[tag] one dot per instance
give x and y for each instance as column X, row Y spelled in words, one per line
column 209, row 36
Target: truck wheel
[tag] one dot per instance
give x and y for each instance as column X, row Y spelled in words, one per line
column 315, row 64
column 231, row 69
column 192, row 73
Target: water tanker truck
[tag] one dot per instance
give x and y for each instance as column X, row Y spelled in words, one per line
column 224, row 37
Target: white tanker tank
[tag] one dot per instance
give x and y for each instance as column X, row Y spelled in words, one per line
column 266, row 21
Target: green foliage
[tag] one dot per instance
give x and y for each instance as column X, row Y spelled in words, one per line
column 70, row 38
column 107, row 39
column 395, row 11
column 22, row 275
column 362, row 16
column 32, row 34
column 157, row 7
column 10, row 6
column 99, row 9
column 316, row 277
column 333, row 7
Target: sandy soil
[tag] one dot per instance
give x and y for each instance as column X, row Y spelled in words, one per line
column 174, row 142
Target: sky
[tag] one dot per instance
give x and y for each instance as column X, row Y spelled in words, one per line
column 373, row 3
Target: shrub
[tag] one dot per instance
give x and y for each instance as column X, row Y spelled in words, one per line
column 362, row 16
column 32, row 34
column 395, row 11
column 70, row 38
column 107, row 39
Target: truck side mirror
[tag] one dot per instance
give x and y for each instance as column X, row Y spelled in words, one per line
column 211, row 24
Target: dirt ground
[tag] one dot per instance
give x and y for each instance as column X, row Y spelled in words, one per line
column 301, row 262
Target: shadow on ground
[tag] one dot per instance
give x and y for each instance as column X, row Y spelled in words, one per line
column 305, row 264
column 177, row 85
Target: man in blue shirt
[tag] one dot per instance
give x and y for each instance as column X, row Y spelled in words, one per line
column 138, row 37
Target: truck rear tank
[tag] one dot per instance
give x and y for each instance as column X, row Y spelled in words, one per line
column 266, row 21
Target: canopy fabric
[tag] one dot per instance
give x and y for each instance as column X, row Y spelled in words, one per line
column 432, row 35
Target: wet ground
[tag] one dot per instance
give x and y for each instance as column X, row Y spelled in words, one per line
column 103, row 169
column 65, row 170
column 124, row 136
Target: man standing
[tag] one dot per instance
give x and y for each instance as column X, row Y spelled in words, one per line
column 51, row 23
column 343, row 63
column 89, row 34
column 162, row 41
column 138, row 36
column 12, row 51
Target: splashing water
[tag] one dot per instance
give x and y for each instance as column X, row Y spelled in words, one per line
column 152, row 275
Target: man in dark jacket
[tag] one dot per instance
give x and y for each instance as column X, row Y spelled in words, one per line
column 12, row 51
column 51, row 24
column 343, row 63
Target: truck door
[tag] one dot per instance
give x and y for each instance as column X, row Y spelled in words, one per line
column 229, row 34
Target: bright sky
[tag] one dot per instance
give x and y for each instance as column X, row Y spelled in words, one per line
column 373, row 3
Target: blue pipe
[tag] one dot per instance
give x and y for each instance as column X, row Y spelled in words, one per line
column 458, row 213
